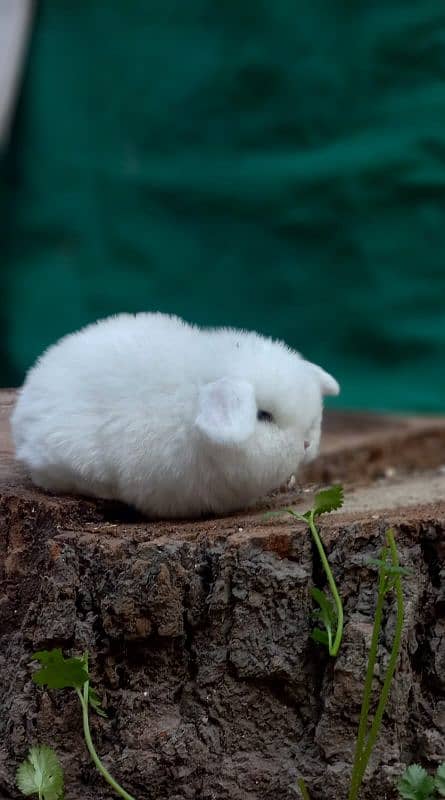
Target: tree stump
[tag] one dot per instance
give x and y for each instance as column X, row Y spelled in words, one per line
column 199, row 632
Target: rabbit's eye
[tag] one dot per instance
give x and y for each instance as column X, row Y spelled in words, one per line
column 264, row 416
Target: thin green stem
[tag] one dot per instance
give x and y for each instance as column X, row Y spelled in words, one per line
column 364, row 712
column 365, row 745
column 83, row 697
column 334, row 648
column 384, row 695
column 302, row 787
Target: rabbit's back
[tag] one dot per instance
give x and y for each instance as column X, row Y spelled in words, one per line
column 94, row 397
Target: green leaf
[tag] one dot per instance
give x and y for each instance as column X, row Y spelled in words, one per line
column 41, row 774
column 416, row 784
column 440, row 780
column 396, row 570
column 58, row 672
column 319, row 636
column 377, row 562
column 95, row 702
column 327, row 610
column 327, row 614
column 388, row 568
column 328, row 500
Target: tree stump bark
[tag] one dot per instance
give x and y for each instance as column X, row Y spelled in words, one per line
column 199, row 632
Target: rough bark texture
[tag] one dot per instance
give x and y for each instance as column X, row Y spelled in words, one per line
column 199, row 631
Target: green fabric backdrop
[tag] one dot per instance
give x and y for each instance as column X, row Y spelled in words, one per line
column 272, row 165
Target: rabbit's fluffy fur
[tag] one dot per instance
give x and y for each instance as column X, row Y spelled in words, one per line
column 163, row 415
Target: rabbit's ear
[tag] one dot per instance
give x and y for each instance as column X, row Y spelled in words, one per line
column 328, row 384
column 226, row 410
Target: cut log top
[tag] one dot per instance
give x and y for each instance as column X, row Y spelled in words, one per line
column 388, row 463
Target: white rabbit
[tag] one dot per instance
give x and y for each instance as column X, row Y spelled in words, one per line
column 175, row 420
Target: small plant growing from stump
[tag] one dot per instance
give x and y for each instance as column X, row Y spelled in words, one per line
column 329, row 612
column 416, row 784
column 37, row 772
column 390, row 580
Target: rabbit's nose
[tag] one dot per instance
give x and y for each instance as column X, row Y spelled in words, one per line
column 306, row 444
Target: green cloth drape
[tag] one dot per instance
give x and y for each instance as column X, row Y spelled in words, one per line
column 271, row 165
